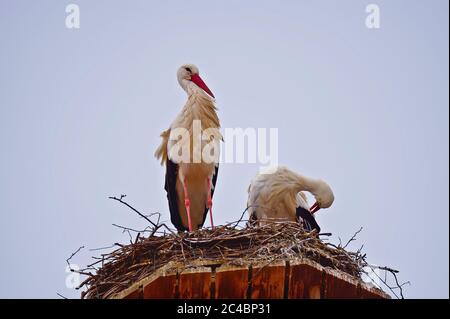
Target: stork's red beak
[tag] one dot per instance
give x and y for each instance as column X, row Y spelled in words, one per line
column 314, row 208
column 198, row 80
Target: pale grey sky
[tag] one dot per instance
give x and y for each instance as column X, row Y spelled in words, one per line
column 81, row 112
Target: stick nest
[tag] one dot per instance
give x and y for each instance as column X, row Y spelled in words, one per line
column 266, row 244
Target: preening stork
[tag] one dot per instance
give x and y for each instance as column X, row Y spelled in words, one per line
column 279, row 195
column 191, row 178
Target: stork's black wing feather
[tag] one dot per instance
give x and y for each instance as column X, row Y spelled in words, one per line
column 309, row 220
column 171, row 189
column 214, row 180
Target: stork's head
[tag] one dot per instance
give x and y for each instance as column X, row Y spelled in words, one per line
column 324, row 196
column 188, row 74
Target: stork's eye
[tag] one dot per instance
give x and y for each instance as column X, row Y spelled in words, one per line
column 189, row 70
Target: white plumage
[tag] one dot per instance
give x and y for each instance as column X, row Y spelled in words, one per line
column 277, row 195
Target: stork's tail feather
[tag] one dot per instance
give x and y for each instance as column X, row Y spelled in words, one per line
column 161, row 151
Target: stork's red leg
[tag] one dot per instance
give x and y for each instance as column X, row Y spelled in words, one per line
column 210, row 202
column 187, row 203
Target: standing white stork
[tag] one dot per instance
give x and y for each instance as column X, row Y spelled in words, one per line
column 279, row 195
column 190, row 179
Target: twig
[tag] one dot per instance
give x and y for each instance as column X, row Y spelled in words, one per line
column 394, row 274
column 61, row 296
column 325, row 234
column 388, row 269
column 72, row 255
column 155, row 226
column 107, row 247
column 240, row 219
column 132, row 208
column 353, row 238
column 131, row 229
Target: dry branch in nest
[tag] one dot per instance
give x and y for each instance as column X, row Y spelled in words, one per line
column 270, row 243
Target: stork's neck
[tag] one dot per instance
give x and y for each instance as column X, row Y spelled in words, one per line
column 308, row 184
column 184, row 84
column 199, row 106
